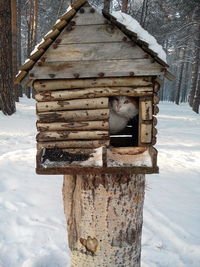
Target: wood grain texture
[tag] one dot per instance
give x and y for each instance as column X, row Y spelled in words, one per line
column 73, row 144
column 146, row 109
column 89, row 17
column 100, row 236
column 94, row 51
column 71, row 135
column 88, row 69
column 81, row 125
column 93, row 103
column 46, row 85
column 93, row 92
column 78, row 115
column 91, row 34
column 146, row 133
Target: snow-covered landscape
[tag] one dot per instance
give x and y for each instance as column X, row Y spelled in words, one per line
column 32, row 222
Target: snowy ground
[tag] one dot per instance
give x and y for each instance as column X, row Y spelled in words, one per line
column 32, row 223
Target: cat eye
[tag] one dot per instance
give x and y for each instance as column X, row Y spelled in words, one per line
column 126, row 101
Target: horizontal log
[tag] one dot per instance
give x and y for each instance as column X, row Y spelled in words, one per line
column 46, row 85
column 156, row 99
column 95, row 68
column 154, row 140
column 82, row 125
column 78, row 115
column 155, row 110
column 94, row 92
column 94, row 51
column 155, row 121
column 94, row 103
column 155, row 131
column 156, row 86
column 71, row 135
column 73, row 144
column 96, row 170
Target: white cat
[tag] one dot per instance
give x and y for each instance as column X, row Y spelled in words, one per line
column 122, row 109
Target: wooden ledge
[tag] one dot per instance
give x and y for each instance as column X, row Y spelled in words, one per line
column 121, row 160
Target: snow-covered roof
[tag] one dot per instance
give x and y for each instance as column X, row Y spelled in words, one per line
column 133, row 25
column 124, row 22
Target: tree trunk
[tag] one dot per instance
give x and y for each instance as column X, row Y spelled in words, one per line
column 19, row 54
column 7, row 97
column 104, row 219
column 180, row 78
column 106, row 6
column 14, row 45
column 195, row 68
column 196, row 101
column 125, row 6
column 144, row 13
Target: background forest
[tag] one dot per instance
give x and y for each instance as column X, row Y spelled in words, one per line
column 174, row 23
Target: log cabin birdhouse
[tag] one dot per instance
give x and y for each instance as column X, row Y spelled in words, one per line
column 81, row 64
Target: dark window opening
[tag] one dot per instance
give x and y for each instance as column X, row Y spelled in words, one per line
column 127, row 137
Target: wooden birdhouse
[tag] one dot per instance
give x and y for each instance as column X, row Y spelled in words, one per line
column 86, row 59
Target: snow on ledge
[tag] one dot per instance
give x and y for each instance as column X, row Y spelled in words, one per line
column 134, row 26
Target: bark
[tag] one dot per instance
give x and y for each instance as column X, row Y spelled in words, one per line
column 180, row 78
column 144, row 13
column 86, row 125
column 14, row 45
column 93, row 103
column 19, row 63
column 196, row 101
column 106, row 5
column 7, row 97
column 195, row 68
column 46, row 85
column 73, row 144
column 71, row 135
column 104, row 219
column 125, row 6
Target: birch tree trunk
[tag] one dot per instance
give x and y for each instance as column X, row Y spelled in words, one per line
column 104, row 216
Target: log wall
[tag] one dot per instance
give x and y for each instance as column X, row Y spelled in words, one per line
column 73, row 114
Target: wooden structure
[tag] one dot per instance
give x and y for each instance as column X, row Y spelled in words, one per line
column 85, row 59
column 81, row 62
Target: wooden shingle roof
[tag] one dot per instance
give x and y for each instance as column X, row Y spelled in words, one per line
column 48, row 40
column 66, row 21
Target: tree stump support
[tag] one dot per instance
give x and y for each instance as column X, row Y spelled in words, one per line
column 104, row 216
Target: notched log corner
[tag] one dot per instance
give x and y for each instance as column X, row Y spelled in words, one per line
column 91, row 244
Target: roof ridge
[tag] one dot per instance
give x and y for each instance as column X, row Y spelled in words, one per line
column 132, row 35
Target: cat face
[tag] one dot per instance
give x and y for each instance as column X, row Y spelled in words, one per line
column 125, row 106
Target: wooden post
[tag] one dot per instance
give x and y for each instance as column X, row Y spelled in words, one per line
column 104, row 219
